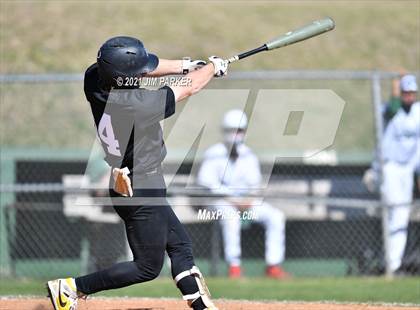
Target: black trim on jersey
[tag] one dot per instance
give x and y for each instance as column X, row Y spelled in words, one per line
column 170, row 101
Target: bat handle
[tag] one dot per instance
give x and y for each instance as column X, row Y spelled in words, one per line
column 232, row 59
column 247, row 54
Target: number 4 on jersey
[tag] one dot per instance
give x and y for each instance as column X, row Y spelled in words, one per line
column 106, row 133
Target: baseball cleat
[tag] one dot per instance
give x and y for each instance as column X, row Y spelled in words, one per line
column 235, row 272
column 276, row 272
column 63, row 294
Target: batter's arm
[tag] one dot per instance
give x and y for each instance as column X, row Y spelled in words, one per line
column 170, row 67
column 196, row 81
column 166, row 67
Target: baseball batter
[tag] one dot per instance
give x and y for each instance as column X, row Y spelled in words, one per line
column 127, row 122
column 401, row 153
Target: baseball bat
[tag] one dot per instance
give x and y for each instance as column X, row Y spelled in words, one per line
column 303, row 33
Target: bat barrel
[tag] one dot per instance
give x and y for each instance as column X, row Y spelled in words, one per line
column 303, row 33
column 315, row 28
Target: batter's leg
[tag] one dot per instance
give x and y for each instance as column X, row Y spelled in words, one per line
column 186, row 275
column 146, row 229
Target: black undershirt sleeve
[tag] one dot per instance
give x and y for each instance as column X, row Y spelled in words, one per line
column 170, row 101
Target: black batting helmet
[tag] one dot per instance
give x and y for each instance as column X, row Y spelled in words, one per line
column 124, row 57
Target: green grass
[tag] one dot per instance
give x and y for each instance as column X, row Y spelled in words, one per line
column 403, row 290
column 48, row 36
column 43, row 36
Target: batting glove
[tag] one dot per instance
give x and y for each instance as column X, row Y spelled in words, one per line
column 122, row 183
column 220, row 65
column 189, row 65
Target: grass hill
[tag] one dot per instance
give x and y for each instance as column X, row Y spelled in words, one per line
column 53, row 36
column 64, row 36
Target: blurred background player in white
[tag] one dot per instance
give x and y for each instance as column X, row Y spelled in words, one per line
column 232, row 169
column 401, row 154
column 394, row 104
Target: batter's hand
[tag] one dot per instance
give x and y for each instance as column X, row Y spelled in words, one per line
column 122, row 183
column 220, row 65
column 189, row 65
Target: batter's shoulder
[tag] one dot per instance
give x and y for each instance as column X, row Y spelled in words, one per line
column 91, row 72
column 91, row 79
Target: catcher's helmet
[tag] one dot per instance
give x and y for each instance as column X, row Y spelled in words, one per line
column 122, row 57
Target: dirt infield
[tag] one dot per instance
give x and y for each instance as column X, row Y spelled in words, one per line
column 172, row 304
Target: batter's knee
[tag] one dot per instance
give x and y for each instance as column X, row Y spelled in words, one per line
column 150, row 266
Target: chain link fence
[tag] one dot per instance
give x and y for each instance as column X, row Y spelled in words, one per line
column 334, row 225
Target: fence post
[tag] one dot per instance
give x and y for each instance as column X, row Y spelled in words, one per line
column 379, row 129
column 7, row 215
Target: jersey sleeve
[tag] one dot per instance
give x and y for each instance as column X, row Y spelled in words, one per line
column 170, row 101
column 96, row 96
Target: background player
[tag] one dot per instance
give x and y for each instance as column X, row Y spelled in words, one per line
column 401, row 153
column 127, row 119
column 232, row 169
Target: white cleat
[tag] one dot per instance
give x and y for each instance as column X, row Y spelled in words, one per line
column 63, row 294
